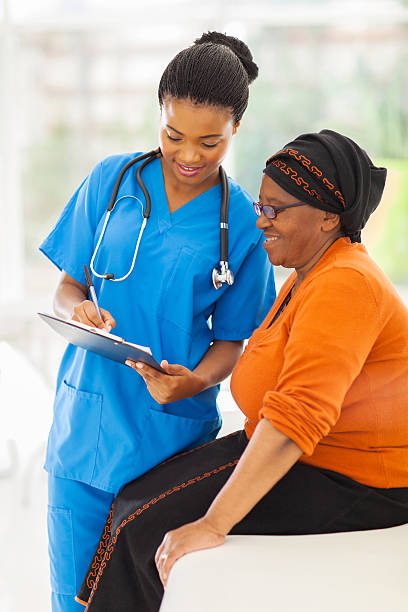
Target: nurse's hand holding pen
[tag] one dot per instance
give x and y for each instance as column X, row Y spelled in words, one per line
column 86, row 312
column 71, row 302
column 179, row 382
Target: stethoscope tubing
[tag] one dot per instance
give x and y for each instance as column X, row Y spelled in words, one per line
column 225, row 190
column 150, row 156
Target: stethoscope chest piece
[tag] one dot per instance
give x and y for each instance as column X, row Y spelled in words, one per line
column 223, row 275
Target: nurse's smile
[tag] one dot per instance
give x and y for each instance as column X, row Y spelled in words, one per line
column 188, row 170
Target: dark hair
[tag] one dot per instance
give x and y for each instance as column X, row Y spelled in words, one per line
column 215, row 70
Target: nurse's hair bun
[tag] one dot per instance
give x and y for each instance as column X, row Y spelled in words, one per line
column 216, row 70
column 237, row 46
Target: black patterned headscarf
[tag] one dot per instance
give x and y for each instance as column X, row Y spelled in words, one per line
column 331, row 172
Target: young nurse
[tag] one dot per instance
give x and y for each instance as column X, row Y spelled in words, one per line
column 107, row 428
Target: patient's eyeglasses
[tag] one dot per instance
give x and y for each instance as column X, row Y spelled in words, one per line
column 271, row 211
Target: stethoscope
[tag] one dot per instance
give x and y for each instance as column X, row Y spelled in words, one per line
column 220, row 275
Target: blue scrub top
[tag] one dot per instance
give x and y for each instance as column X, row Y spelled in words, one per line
column 107, row 429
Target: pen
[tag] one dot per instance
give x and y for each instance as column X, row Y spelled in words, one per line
column 91, row 290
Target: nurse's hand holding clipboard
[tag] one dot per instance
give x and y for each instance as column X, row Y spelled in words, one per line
column 179, row 382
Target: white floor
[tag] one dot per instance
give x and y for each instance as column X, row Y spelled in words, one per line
column 24, row 564
column 24, row 398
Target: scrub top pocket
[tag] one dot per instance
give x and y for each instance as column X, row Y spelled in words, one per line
column 74, row 435
column 166, row 434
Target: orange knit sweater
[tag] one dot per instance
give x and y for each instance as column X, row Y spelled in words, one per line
column 331, row 372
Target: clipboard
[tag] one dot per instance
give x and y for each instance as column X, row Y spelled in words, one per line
column 100, row 341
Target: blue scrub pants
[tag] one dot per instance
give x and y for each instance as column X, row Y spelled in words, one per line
column 76, row 517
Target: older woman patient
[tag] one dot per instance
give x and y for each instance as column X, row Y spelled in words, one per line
column 323, row 383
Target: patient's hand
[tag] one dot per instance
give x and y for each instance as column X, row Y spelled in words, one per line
column 178, row 382
column 198, row 535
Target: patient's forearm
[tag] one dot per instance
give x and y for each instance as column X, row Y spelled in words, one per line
column 268, row 456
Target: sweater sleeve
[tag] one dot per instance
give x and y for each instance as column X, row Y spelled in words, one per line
column 332, row 333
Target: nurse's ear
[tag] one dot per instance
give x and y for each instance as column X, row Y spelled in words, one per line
column 236, row 126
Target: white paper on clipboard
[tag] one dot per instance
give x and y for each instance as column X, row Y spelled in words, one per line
column 100, row 341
